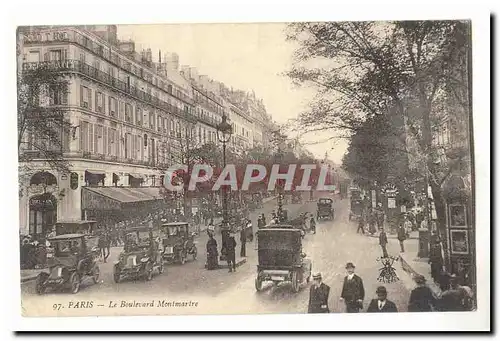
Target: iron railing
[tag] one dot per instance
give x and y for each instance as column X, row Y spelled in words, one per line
column 76, row 66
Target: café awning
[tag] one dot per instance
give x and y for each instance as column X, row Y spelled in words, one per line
column 116, row 198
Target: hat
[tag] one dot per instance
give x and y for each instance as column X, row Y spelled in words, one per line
column 317, row 276
column 381, row 290
column 349, row 266
column 419, row 279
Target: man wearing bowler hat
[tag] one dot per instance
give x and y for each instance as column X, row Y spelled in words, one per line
column 318, row 296
column 381, row 304
column 353, row 291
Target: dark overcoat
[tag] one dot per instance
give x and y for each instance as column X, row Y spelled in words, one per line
column 318, row 299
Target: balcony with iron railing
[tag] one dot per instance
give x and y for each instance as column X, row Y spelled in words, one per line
column 115, row 159
column 76, row 66
column 103, row 50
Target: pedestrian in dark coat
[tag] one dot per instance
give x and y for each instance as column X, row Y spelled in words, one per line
column 318, row 296
column 436, row 258
column 353, row 291
column 212, row 253
column 243, row 240
column 401, row 236
column 421, row 298
column 231, row 253
column 381, row 304
column 382, row 240
column 361, row 224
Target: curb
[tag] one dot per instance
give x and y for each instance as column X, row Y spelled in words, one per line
column 28, row 278
column 409, row 269
column 239, row 262
column 389, row 237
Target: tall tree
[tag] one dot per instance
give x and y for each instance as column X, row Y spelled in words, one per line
column 375, row 67
column 42, row 122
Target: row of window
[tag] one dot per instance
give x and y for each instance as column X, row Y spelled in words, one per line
column 104, row 140
column 127, row 112
column 107, row 54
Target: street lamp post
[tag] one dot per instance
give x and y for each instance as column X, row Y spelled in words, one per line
column 224, row 131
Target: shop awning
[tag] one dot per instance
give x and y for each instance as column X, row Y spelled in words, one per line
column 115, row 198
column 137, row 176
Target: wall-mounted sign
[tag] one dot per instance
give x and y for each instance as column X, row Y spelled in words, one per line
column 457, row 214
column 459, row 242
column 390, row 190
column 73, row 181
column 391, row 202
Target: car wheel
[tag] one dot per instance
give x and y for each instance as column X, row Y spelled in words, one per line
column 95, row 274
column 74, row 281
column 40, row 283
column 295, row 282
column 258, row 283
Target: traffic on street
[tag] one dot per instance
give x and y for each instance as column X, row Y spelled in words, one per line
column 324, row 248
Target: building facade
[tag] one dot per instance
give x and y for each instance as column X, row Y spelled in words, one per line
column 130, row 119
column 125, row 119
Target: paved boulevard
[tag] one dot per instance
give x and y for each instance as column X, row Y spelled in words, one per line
column 220, row 292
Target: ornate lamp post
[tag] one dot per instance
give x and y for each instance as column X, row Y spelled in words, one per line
column 224, row 131
column 279, row 160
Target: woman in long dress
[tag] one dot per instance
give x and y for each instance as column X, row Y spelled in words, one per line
column 212, row 253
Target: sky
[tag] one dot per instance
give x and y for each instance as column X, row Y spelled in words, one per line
column 244, row 56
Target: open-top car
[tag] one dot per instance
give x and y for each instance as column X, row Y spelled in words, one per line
column 357, row 205
column 281, row 257
column 178, row 242
column 325, row 209
column 141, row 255
column 69, row 264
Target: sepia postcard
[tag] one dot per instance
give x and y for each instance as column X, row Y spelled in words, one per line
column 251, row 168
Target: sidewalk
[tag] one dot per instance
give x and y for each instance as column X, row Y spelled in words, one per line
column 30, row 274
column 417, row 266
column 413, row 235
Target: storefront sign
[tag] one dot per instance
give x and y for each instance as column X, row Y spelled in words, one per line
column 391, row 202
column 374, row 199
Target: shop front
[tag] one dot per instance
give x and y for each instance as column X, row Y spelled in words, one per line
column 460, row 229
column 110, row 205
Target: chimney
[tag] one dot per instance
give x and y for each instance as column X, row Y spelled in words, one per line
column 185, row 71
column 173, row 61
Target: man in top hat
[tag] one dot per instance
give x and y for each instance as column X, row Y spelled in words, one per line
column 353, row 291
column 318, row 296
column 381, row 304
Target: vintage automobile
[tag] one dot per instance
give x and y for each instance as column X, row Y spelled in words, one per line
column 178, row 242
column 141, row 255
column 69, row 264
column 281, row 258
column 325, row 209
column 357, row 204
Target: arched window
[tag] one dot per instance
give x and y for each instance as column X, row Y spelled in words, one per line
column 44, row 178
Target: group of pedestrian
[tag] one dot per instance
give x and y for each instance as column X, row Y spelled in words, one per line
column 353, row 295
